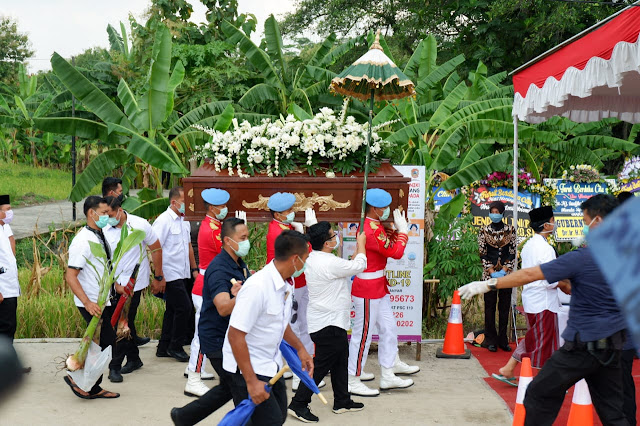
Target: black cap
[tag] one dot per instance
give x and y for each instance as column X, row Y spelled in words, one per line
column 4, row 199
column 541, row 214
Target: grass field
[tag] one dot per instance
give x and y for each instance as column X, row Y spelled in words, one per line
column 28, row 185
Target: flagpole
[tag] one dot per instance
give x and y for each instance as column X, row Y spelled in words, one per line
column 366, row 165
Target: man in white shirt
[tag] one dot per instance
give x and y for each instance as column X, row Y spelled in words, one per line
column 258, row 323
column 83, row 280
column 117, row 219
column 328, row 314
column 174, row 235
column 9, row 285
column 539, row 300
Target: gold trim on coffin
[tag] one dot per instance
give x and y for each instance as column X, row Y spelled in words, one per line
column 326, row 203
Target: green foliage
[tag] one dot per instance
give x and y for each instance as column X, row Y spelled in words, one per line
column 14, row 49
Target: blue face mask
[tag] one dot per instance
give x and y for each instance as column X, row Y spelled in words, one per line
column 103, row 220
column 385, row 214
column 585, row 228
column 181, row 208
column 113, row 221
column 495, row 217
column 297, row 273
column 243, row 247
column 222, row 214
column 290, row 217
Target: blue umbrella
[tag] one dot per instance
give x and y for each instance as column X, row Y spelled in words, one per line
column 240, row 415
column 291, row 356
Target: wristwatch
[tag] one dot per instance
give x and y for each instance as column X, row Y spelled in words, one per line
column 158, row 277
column 493, row 283
column 195, row 270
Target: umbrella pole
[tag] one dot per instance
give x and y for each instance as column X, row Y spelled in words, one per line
column 366, row 165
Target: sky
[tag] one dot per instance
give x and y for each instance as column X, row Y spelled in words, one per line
column 71, row 26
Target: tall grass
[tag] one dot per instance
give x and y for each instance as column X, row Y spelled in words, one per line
column 30, row 185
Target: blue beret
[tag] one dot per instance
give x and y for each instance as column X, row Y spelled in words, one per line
column 377, row 197
column 281, row 201
column 215, row 196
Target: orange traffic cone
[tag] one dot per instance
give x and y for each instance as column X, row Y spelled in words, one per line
column 453, row 340
column 581, row 413
column 526, row 376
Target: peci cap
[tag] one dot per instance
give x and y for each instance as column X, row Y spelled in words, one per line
column 378, row 198
column 541, row 214
column 281, row 201
column 4, row 199
column 215, row 196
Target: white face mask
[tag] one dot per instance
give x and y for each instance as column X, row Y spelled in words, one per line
column 337, row 246
column 552, row 229
column 8, row 217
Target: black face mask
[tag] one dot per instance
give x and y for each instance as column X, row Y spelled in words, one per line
column 121, row 198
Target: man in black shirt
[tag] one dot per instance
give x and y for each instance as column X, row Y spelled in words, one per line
column 218, row 300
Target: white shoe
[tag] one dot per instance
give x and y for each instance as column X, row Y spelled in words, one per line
column 391, row 381
column 194, row 386
column 295, row 383
column 401, row 368
column 367, row 377
column 205, row 375
column 356, row 387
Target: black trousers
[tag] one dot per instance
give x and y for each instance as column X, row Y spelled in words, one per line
column 332, row 355
column 107, row 337
column 503, row 300
column 176, row 316
column 628, row 386
column 8, row 324
column 202, row 407
column 546, row 392
column 273, row 411
column 126, row 347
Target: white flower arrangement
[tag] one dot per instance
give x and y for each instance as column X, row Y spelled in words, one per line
column 582, row 173
column 281, row 146
column 630, row 169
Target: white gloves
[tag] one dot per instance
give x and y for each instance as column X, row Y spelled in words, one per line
column 242, row 216
column 310, row 218
column 298, row 227
column 467, row 291
column 400, row 221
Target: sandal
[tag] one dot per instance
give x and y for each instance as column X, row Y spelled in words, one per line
column 75, row 389
column 105, row 394
column 508, row 380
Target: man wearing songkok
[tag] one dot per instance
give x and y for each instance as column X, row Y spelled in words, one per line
column 539, row 299
column 372, row 301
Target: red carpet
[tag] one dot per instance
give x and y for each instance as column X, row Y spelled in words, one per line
column 492, row 361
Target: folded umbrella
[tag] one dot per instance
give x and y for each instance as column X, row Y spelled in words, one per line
column 123, row 298
column 240, row 415
column 291, row 356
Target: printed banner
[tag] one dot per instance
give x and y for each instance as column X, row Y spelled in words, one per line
column 631, row 186
column 404, row 275
column 442, row 197
column 567, row 212
column 482, row 196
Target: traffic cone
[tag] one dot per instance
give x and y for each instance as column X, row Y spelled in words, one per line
column 526, row 376
column 581, row 413
column 453, row 340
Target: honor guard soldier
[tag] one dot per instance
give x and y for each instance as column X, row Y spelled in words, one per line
column 372, row 300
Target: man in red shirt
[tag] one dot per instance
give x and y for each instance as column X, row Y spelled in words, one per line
column 281, row 206
column 370, row 294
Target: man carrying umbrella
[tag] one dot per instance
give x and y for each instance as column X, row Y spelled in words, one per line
column 372, row 302
column 258, row 323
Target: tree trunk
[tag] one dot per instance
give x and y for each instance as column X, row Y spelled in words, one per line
column 87, row 152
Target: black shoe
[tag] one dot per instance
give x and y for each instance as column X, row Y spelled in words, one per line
column 303, row 414
column 350, row 407
column 26, row 370
column 174, row 417
column 178, row 354
column 505, row 348
column 492, row 348
column 131, row 366
column 140, row 341
column 162, row 353
column 115, row 376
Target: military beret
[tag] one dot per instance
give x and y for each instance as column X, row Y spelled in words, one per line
column 281, row 201
column 215, row 196
column 377, row 197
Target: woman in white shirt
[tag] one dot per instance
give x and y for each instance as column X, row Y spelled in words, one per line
column 328, row 316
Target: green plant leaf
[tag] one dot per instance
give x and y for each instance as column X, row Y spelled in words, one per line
column 428, row 57
column 103, row 165
column 412, row 131
column 531, row 163
column 479, row 169
column 449, row 104
column 323, row 49
column 79, row 127
column 174, row 81
column 196, row 115
column 155, row 101
column 274, row 44
column 258, row 94
column 438, row 74
column 152, row 208
column 298, row 113
column 97, row 250
column 128, row 100
column 225, row 119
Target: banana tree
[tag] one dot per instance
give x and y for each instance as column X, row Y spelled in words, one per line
column 143, row 132
column 285, row 82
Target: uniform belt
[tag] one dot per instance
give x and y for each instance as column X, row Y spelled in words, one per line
column 202, row 271
column 371, row 275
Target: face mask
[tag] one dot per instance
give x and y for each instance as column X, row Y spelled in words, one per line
column 243, row 247
column 552, row 229
column 577, row 242
column 385, row 214
column 181, row 208
column 103, row 220
column 495, row 217
column 9, row 217
column 290, row 217
column 297, row 273
column 121, row 198
column 113, row 221
column 337, row 237
column 585, row 228
column 222, row 214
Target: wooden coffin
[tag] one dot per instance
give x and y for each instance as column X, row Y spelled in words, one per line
column 334, row 199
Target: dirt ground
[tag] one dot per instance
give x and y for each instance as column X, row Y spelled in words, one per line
column 446, row 392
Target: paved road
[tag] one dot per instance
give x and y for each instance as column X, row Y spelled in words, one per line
column 29, row 219
column 447, row 392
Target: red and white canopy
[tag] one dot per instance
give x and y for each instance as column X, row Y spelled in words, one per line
column 594, row 76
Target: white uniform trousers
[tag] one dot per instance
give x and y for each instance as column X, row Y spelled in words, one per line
column 298, row 320
column 196, row 359
column 370, row 312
